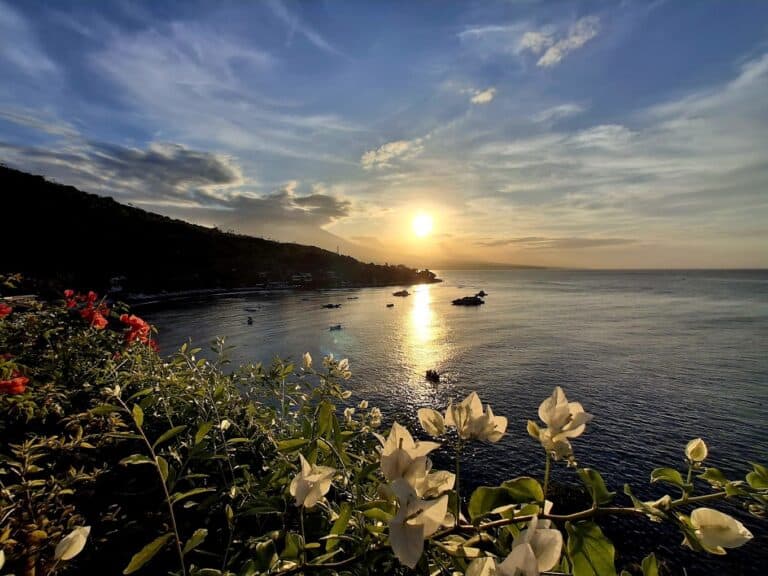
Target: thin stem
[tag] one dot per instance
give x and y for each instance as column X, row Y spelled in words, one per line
column 458, row 480
column 303, row 537
column 162, row 483
column 547, row 466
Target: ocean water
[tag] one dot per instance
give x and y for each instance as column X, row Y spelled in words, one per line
column 657, row 357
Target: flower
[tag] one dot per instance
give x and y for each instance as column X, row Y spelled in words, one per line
column 17, row 384
column 402, row 457
column 375, row 417
column 535, row 550
column 224, row 425
column 307, row 361
column 717, row 531
column 416, row 519
column 564, row 420
column 470, row 421
column 432, row 421
column 311, row 483
column 5, row 309
column 696, row 450
column 139, row 330
column 363, row 404
column 348, row 413
column 72, row 544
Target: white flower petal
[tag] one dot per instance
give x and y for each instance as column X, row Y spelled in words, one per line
column 696, row 450
column 520, row 562
column 72, row 544
column 716, row 529
column 481, row 567
column 407, row 542
column 432, row 514
column 547, row 544
column 432, row 421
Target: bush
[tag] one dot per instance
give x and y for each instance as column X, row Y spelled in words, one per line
column 117, row 460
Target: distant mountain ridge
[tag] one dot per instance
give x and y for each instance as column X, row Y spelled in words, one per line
column 59, row 236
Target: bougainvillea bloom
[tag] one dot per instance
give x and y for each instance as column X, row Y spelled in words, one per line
column 139, row 330
column 16, row 385
column 5, row 310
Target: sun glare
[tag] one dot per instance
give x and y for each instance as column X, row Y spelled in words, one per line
column 422, row 225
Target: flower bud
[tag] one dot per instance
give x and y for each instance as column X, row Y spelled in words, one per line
column 696, row 450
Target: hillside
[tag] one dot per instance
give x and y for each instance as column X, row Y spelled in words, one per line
column 58, row 236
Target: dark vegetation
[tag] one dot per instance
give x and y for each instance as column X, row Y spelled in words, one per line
column 60, row 237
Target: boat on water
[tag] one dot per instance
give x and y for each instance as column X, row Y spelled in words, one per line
column 335, row 327
column 402, row 293
column 468, row 301
column 390, row 305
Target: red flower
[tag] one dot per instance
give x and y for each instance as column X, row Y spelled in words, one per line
column 69, row 294
column 5, row 310
column 139, row 330
column 16, row 385
column 98, row 321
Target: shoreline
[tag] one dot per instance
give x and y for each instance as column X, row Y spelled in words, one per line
column 142, row 300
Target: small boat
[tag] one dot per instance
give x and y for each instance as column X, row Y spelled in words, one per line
column 390, row 305
column 335, row 327
column 402, row 293
column 352, row 297
column 331, row 306
column 250, row 320
column 481, row 294
column 433, row 376
column 468, row 301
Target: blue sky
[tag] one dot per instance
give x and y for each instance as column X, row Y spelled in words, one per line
column 601, row 134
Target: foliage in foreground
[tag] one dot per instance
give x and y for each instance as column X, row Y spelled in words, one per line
column 115, row 460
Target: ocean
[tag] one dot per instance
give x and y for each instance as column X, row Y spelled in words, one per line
column 658, row 357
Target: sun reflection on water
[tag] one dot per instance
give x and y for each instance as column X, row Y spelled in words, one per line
column 425, row 338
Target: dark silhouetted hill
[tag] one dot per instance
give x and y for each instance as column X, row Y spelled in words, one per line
column 58, row 236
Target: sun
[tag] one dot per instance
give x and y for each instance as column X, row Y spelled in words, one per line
column 422, row 225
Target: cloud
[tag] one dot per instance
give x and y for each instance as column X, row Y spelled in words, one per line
column 383, row 156
column 30, row 120
column 295, row 25
column 484, row 96
column 558, row 113
column 543, row 243
column 554, row 49
column 162, row 174
column 19, row 46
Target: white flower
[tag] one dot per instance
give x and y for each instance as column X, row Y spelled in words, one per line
column 717, row 531
column 536, row 549
column 311, row 483
column 343, row 369
column 432, row 421
column 402, row 457
column 696, row 450
column 375, row 417
column 2, row 558
column 472, row 423
column 564, row 420
column 363, row 404
column 307, row 361
column 416, row 519
column 348, row 413
column 224, row 425
column 485, row 566
column 72, row 544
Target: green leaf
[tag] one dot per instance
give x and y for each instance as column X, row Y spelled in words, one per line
column 168, row 434
column 265, row 555
column 525, row 489
column 715, row 477
column 104, row 409
column 596, row 486
column 670, row 476
column 136, row 459
column 590, row 552
column 521, row 490
column 162, row 465
column 292, row 444
column 758, row 478
column 202, row 431
column 140, row 394
column 138, row 415
column 650, row 565
column 345, row 513
column 293, row 546
column 325, row 419
column 147, row 553
column 179, row 496
column 195, row 540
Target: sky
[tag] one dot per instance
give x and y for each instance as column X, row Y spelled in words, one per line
column 626, row 134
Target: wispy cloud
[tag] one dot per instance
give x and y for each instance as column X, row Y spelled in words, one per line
column 558, row 112
column 295, row 25
column 384, row 155
column 543, row 243
column 19, row 45
column 554, row 49
column 483, row 96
